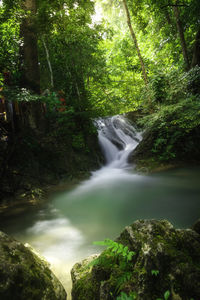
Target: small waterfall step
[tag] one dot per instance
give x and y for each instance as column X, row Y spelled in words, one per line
column 117, row 138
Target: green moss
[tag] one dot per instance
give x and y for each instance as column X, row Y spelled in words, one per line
column 85, row 288
column 23, row 275
column 158, row 246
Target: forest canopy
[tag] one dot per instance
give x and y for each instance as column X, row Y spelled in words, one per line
column 56, row 45
column 139, row 55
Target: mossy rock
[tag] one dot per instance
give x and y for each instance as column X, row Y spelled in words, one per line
column 85, row 285
column 24, row 275
column 166, row 260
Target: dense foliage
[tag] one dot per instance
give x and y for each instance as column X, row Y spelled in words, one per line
column 54, row 54
column 174, row 126
column 60, row 69
column 159, row 40
column 49, row 55
column 96, row 65
column 67, row 46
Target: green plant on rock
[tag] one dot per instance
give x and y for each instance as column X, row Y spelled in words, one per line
column 172, row 126
column 124, row 296
column 117, row 249
column 119, row 257
column 155, row 272
column 166, row 296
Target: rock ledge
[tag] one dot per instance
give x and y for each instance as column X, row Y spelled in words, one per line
column 166, row 260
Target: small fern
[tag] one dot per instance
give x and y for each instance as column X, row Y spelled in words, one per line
column 116, row 249
column 119, row 256
column 155, row 272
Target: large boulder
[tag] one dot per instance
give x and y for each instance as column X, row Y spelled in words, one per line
column 166, row 265
column 24, row 275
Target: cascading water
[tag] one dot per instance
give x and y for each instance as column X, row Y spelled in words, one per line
column 118, row 138
column 102, row 206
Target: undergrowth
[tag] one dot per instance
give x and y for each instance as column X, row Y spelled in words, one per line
column 175, row 129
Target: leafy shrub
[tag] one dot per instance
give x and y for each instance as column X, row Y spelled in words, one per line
column 117, row 250
column 78, row 141
column 176, row 86
column 193, row 80
column 116, row 256
column 158, row 88
column 175, row 129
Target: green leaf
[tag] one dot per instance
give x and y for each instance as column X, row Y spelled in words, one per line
column 166, row 295
column 124, row 296
column 155, row 272
column 101, row 243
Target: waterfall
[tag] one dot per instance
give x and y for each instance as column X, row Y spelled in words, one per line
column 100, row 207
column 117, row 138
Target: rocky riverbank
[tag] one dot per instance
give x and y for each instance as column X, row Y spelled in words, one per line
column 150, row 260
column 164, row 264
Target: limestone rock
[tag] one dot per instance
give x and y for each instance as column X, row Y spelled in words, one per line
column 24, row 275
column 81, row 274
column 166, row 260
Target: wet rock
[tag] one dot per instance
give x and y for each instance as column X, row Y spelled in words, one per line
column 24, row 275
column 82, row 279
column 166, row 262
column 196, row 226
column 142, row 149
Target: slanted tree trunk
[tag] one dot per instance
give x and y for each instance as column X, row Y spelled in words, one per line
column 196, row 51
column 29, row 50
column 48, row 62
column 135, row 42
column 182, row 37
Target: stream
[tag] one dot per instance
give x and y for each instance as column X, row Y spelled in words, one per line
column 63, row 230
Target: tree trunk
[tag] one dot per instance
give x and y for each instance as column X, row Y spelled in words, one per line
column 167, row 16
column 182, row 37
column 48, row 62
column 33, row 111
column 29, row 50
column 135, row 42
column 196, row 51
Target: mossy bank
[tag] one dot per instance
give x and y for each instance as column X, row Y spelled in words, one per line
column 165, row 264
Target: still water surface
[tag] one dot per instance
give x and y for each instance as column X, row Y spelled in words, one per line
column 99, row 208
